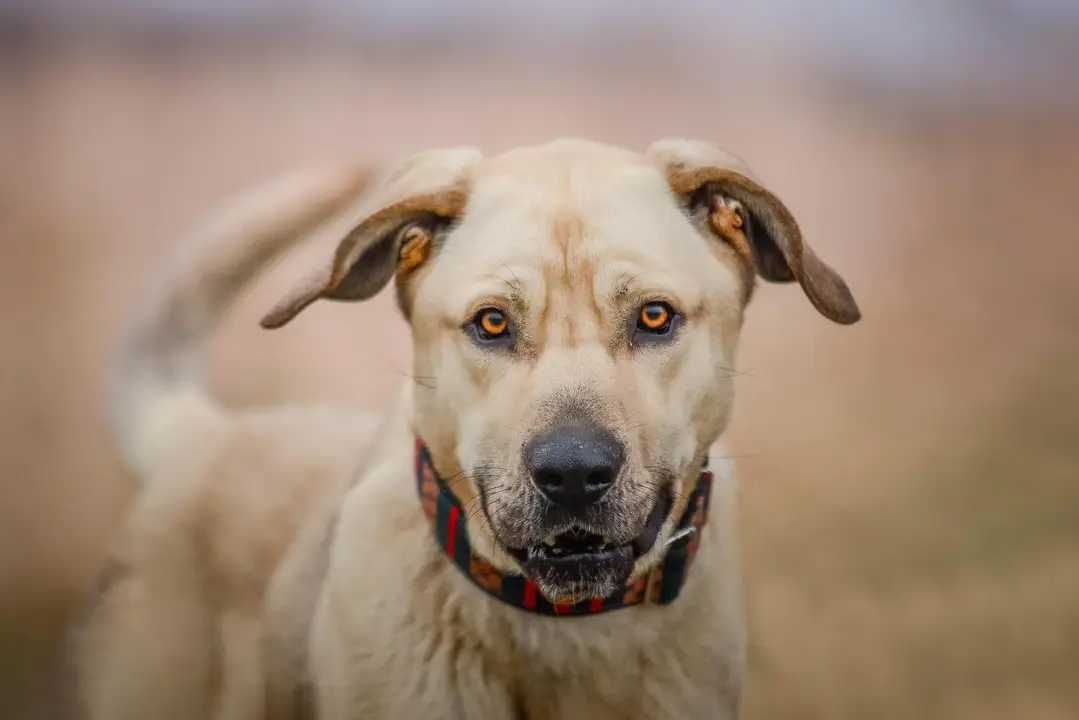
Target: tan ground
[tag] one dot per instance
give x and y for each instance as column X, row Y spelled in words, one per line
column 912, row 484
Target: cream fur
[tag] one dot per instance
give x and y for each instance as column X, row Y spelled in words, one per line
column 278, row 561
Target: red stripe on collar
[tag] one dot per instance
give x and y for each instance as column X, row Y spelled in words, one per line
column 662, row 585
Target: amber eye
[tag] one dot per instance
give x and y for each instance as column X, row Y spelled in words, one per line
column 655, row 317
column 491, row 323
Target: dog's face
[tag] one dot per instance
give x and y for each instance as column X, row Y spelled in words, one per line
column 575, row 312
column 578, row 335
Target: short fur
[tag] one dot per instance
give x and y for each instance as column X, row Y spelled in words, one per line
column 278, row 563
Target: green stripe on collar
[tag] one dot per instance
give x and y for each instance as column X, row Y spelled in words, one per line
column 662, row 585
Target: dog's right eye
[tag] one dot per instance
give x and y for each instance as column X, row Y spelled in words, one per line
column 491, row 326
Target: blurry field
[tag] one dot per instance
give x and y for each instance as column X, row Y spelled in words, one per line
column 911, row 501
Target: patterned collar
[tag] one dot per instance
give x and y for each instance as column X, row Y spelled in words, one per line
column 661, row 585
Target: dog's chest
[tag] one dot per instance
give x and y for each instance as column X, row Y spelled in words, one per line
column 636, row 662
column 614, row 679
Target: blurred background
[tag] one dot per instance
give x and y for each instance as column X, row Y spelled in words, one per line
column 911, row 484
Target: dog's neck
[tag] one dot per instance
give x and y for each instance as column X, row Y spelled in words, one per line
column 662, row 585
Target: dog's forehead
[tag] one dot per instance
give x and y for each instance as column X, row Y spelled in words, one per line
column 574, row 174
column 538, row 204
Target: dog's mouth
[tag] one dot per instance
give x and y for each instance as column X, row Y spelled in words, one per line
column 577, row 562
column 573, row 545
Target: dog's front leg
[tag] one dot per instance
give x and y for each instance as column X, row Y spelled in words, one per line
column 381, row 647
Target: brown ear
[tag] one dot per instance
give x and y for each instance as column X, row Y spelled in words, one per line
column 428, row 191
column 779, row 254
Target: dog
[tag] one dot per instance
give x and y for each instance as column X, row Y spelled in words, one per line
column 533, row 531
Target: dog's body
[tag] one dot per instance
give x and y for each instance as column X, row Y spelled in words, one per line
column 278, row 563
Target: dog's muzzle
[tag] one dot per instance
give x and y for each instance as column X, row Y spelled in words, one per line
column 573, row 466
column 585, row 557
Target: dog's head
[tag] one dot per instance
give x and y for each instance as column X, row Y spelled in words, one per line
column 575, row 311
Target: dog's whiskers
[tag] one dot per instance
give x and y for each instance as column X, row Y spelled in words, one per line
column 427, row 382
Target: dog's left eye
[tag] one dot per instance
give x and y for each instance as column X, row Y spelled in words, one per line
column 491, row 326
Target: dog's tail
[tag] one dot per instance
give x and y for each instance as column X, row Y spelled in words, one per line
column 156, row 383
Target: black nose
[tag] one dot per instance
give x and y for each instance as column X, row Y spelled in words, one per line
column 574, row 465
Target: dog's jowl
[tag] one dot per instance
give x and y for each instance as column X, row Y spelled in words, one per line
column 534, row 530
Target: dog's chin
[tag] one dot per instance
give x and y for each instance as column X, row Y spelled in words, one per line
column 582, row 575
column 576, row 564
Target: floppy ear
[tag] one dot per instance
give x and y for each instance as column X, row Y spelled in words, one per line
column 395, row 235
column 704, row 173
